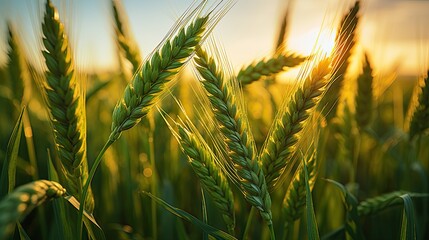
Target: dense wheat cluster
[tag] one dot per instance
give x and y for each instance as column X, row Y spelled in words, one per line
column 154, row 151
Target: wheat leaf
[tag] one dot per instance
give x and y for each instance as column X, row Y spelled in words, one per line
column 9, row 163
column 216, row 233
column 312, row 230
column 408, row 225
column 22, row 234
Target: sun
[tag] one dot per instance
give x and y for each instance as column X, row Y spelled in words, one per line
column 314, row 41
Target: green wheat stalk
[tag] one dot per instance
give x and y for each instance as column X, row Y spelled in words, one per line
column 204, row 163
column 66, row 106
column 126, row 43
column 420, row 119
column 268, row 67
column 364, row 96
column 281, row 142
column 233, row 124
column 344, row 43
column 144, row 90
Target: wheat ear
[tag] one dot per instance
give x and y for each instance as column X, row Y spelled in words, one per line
column 343, row 129
column 364, row 97
column 376, row 204
column 66, row 107
column 15, row 66
column 420, row 119
column 344, row 43
column 156, row 72
column 281, row 142
column 204, row 164
column 141, row 94
column 268, row 67
column 16, row 205
column 233, row 124
column 123, row 37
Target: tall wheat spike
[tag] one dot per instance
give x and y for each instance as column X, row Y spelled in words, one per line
column 281, row 142
column 157, row 71
column 65, row 104
column 19, row 203
column 142, row 93
column 344, row 43
column 284, row 26
column 420, row 119
column 15, row 66
column 123, row 37
column 364, row 96
column 343, row 126
column 268, row 67
column 233, row 124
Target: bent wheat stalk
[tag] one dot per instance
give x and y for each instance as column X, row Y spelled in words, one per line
column 268, row 67
column 204, row 163
column 19, row 203
column 376, row 204
column 141, row 94
column 233, row 124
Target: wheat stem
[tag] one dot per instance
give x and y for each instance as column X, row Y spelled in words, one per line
column 87, row 184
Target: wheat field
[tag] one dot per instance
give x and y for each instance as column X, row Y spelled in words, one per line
column 179, row 143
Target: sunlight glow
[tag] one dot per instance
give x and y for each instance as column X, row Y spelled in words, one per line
column 313, row 40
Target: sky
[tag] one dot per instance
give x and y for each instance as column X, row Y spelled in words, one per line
column 394, row 32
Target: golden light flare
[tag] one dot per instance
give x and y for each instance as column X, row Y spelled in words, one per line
column 314, row 40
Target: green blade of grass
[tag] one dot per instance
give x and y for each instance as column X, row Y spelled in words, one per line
column 408, row 226
column 96, row 89
column 9, row 164
column 204, row 211
column 312, row 230
column 22, row 234
column 75, row 203
column 335, row 234
column 216, row 233
column 62, row 227
column 89, row 220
